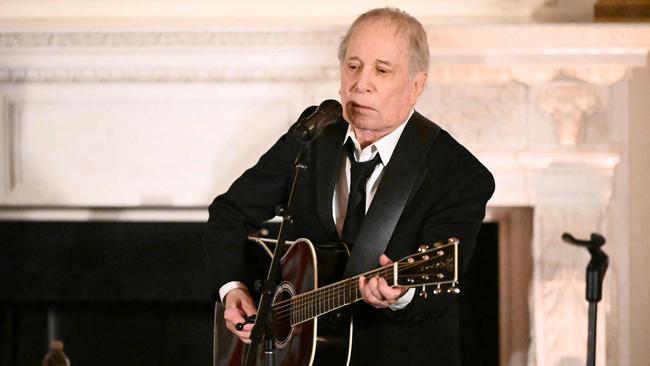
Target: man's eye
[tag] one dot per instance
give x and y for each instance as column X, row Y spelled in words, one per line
column 353, row 67
column 382, row 71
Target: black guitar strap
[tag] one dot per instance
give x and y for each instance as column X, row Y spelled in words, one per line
column 397, row 184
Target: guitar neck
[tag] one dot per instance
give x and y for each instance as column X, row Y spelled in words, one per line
column 317, row 302
column 430, row 266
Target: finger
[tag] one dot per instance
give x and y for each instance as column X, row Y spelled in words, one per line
column 244, row 330
column 234, row 315
column 362, row 283
column 245, row 334
column 384, row 260
column 386, row 292
column 249, row 308
column 234, row 318
column 374, row 297
column 373, row 287
column 365, row 288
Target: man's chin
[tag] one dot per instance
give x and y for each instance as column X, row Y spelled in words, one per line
column 363, row 123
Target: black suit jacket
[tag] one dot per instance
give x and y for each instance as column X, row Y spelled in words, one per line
column 448, row 199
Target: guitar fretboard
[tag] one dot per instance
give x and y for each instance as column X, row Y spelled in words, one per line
column 315, row 303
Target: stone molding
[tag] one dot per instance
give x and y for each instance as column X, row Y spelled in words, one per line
column 468, row 54
column 447, row 74
column 164, row 39
column 185, row 74
column 630, row 37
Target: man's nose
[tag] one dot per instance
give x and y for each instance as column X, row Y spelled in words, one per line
column 364, row 82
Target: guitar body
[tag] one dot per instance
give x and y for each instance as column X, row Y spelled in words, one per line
column 318, row 341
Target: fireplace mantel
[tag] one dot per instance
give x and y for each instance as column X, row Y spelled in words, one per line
column 531, row 53
column 560, row 72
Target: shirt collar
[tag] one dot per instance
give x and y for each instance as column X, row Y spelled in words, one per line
column 385, row 146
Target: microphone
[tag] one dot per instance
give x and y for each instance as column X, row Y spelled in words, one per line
column 308, row 128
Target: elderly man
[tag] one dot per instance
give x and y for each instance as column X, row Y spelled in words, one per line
column 384, row 60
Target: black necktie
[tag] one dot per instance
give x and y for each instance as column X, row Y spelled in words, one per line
column 360, row 172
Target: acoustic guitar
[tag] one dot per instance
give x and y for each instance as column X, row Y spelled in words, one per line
column 309, row 319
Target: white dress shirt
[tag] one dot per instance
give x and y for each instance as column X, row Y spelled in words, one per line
column 384, row 147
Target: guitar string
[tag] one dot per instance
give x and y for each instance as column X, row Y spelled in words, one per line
column 328, row 297
column 333, row 293
column 329, row 287
column 389, row 269
column 304, row 307
column 302, row 313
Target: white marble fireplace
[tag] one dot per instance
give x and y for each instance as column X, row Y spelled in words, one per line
column 152, row 124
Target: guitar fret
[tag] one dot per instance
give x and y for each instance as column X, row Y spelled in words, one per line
column 298, row 304
column 325, row 299
column 304, row 307
column 301, row 308
column 328, row 298
column 307, row 302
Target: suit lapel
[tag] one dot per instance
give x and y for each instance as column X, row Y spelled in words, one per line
column 328, row 149
column 401, row 179
column 410, row 154
column 406, row 169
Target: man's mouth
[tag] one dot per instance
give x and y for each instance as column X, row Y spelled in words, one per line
column 357, row 106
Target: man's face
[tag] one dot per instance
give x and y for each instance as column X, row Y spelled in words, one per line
column 376, row 92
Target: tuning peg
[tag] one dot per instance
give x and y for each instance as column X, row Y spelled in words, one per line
column 437, row 290
column 453, row 241
column 437, row 244
column 423, row 248
column 423, row 293
column 453, row 290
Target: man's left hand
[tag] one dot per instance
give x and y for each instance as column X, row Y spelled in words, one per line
column 376, row 291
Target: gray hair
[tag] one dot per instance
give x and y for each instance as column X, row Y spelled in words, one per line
column 417, row 37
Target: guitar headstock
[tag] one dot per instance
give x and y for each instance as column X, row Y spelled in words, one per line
column 432, row 265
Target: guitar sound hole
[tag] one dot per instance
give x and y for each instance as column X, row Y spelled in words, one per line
column 282, row 314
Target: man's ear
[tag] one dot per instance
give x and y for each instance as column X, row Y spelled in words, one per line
column 418, row 85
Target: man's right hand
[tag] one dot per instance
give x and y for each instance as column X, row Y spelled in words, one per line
column 238, row 306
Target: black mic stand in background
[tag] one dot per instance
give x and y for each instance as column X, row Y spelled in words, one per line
column 595, row 274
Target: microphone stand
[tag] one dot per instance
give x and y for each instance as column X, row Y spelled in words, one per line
column 263, row 330
column 595, row 274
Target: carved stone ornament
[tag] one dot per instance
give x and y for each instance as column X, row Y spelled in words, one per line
column 569, row 104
